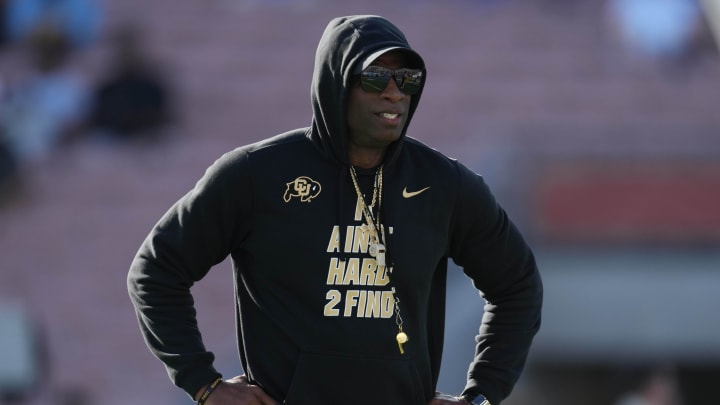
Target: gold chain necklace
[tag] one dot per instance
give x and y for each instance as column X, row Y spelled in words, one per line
column 376, row 248
column 377, row 233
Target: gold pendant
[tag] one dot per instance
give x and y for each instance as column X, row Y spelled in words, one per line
column 373, row 249
column 376, row 249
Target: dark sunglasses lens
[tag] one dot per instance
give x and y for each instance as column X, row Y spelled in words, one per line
column 409, row 80
column 374, row 79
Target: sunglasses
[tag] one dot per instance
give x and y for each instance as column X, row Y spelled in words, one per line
column 374, row 79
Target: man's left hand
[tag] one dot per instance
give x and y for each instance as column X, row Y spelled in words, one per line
column 442, row 399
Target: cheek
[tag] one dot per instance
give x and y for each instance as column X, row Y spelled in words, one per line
column 352, row 115
column 354, row 109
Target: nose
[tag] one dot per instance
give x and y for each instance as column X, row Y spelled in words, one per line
column 392, row 92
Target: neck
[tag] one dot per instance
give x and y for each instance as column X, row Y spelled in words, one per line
column 366, row 158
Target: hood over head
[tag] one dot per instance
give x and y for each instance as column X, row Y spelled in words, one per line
column 348, row 45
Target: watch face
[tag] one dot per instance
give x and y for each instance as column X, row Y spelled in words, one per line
column 480, row 400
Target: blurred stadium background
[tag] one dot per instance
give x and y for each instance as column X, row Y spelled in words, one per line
column 596, row 123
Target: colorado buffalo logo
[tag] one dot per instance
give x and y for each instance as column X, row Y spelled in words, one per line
column 303, row 187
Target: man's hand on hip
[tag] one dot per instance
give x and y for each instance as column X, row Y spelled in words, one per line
column 238, row 391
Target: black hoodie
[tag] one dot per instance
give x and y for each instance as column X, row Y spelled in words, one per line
column 315, row 312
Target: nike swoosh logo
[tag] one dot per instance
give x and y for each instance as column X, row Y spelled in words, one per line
column 410, row 194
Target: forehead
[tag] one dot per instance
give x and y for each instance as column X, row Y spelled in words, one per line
column 392, row 60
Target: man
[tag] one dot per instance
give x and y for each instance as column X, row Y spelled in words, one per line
column 340, row 235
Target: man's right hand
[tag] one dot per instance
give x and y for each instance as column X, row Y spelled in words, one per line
column 238, row 391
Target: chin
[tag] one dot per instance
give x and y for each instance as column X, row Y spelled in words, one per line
column 385, row 142
column 391, row 137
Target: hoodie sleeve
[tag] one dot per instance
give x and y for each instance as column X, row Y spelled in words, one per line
column 493, row 253
column 196, row 233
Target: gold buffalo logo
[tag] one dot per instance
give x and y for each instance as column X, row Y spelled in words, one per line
column 303, row 187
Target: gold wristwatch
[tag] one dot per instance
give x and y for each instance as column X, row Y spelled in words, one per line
column 478, row 400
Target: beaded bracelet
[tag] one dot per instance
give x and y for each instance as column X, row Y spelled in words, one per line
column 208, row 390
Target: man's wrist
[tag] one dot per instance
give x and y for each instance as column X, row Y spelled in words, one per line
column 475, row 400
column 205, row 392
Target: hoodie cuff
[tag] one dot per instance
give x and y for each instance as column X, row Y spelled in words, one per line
column 198, row 378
